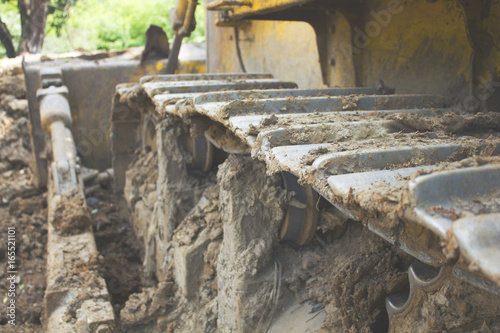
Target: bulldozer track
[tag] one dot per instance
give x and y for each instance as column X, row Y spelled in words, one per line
column 391, row 162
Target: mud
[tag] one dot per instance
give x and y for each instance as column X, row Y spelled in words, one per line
column 478, row 133
column 174, row 214
column 72, row 273
column 198, row 236
column 179, row 188
column 164, row 305
column 22, row 206
column 15, row 147
column 471, row 146
column 120, row 263
column 317, row 274
column 485, row 123
column 326, row 133
column 31, row 229
column 222, row 137
column 366, row 270
column 140, row 192
column 15, row 183
column 284, row 121
column 238, row 107
column 70, row 214
column 185, row 108
column 12, row 85
column 143, row 307
column 134, row 96
column 241, row 278
column 203, row 217
column 349, row 102
column 252, row 211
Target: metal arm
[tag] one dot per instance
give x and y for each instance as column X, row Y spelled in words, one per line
column 185, row 30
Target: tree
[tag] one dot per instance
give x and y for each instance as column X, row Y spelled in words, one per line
column 6, row 39
column 33, row 17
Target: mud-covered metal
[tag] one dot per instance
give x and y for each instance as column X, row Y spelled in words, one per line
column 444, row 197
column 201, row 150
column 356, row 148
column 301, row 219
column 165, row 91
column 477, row 238
column 420, row 276
column 71, row 242
column 55, row 115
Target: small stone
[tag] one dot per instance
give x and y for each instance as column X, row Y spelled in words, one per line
column 92, row 202
column 309, row 260
column 441, row 300
column 161, row 324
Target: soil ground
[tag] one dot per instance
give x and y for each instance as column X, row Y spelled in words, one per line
column 21, row 206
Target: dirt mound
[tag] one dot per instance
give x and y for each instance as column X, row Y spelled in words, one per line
column 71, row 215
column 13, row 85
column 22, row 206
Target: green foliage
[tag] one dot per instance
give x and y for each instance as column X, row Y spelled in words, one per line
column 114, row 24
column 58, row 13
column 99, row 24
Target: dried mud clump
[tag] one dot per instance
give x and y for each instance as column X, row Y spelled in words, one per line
column 251, row 210
column 140, row 192
column 71, row 215
column 146, row 306
column 450, row 123
column 364, row 275
column 349, row 103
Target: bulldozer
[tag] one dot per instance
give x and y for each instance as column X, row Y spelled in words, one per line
column 326, row 166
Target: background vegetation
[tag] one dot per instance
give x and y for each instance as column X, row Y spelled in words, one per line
column 101, row 24
column 10, row 16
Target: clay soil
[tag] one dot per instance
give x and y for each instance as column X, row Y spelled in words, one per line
column 21, row 206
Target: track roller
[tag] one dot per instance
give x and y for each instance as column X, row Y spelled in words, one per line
column 149, row 132
column 202, row 151
column 301, row 219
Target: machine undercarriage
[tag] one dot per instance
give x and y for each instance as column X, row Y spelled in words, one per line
column 356, row 188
